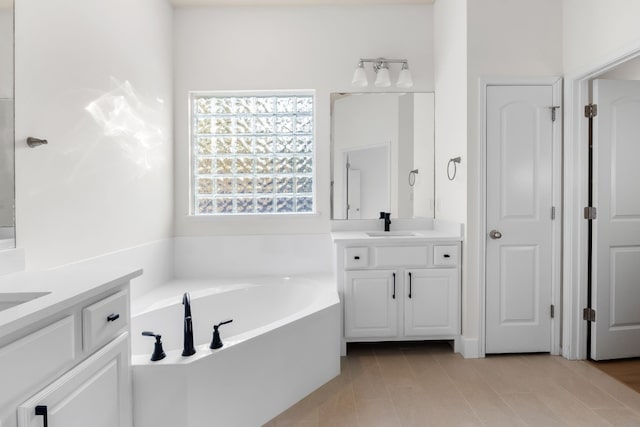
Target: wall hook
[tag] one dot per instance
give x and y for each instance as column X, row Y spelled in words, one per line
column 35, row 142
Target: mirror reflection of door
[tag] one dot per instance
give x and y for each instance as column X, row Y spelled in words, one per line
column 7, row 232
column 367, row 183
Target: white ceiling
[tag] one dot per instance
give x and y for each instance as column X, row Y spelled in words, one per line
column 181, row 3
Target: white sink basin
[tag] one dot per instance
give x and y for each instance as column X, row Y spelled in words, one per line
column 390, row 234
column 11, row 299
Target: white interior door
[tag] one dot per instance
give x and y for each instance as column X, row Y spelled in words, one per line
column 616, row 231
column 519, row 245
column 373, row 187
column 353, row 194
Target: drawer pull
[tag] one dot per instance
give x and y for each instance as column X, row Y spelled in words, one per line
column 446, row 256
column 394, row 286
column 356, row 257
column 409, row 285
column 113, row 317
column 42, row 410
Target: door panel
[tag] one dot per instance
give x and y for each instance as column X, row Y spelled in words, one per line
column 371, row 304
column 432, row 308
column 519, row 203
column 616, row 231
column 519, row 285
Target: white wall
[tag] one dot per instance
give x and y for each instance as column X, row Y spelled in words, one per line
column 256, row 48
column 94, row 77
column 594, row 29
column 450, row 74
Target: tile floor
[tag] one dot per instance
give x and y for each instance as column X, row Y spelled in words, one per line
column 429, row 385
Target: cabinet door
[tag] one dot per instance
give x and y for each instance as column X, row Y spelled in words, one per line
column 431, row 302
column 96, row 393
column 371, row 304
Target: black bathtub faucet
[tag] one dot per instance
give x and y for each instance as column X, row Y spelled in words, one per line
column 387, row 219
column 187, row 349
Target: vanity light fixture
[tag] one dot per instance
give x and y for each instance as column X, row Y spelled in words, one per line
column 360, row 76
column 383, row 77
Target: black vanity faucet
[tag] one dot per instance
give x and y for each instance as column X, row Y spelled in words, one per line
column 387, row 219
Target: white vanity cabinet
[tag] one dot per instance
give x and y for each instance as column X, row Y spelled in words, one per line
column 399, row 289
column 71, row 366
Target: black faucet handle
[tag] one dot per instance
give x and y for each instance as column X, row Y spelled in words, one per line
column 222, row 323
column 151, row 334
column 216, row 342
column 158, row 352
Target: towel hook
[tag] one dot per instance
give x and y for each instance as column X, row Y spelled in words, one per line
column 36, row 142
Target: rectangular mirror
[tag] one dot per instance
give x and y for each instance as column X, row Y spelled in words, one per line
column 7, row 187
column 382, row 155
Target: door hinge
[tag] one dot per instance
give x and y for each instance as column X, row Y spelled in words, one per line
column 589, row 314
column 553, row 112
column 553, row 212
column 590, row 111
column 553, row 311
column 590, row 213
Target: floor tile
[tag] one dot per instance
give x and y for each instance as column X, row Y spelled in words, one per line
column 426, row 384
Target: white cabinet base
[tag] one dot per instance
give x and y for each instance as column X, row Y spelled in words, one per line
column 400, row 291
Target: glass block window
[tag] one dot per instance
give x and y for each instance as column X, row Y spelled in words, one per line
column 252, row 154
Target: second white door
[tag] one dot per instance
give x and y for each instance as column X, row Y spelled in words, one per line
column 519, row 244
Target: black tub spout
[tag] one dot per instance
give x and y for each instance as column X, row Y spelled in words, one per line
column 188, row 348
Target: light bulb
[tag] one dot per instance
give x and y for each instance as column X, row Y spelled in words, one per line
column 404, row 78
column 382, row 78
column 360, row 76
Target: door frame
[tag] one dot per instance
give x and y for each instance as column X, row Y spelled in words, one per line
column 556, row 83
column 576, row 172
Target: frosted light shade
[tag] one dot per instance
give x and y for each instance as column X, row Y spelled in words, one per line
column 360, row 78
column 382, row 78
column 404, row 79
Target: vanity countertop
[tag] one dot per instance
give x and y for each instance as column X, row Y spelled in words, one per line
column 395, row 236
column 61, row 288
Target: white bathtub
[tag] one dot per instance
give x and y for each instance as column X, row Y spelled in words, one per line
column 284, row 343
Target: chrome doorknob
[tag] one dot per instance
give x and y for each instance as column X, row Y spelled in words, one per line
column 495, row 234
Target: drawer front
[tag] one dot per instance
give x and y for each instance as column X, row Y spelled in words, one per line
column 356, row 257
column 401, row 256
column 445, row 255
column 28, row 362
column 105, row 320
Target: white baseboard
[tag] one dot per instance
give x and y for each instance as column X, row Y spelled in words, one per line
column 470, row 348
